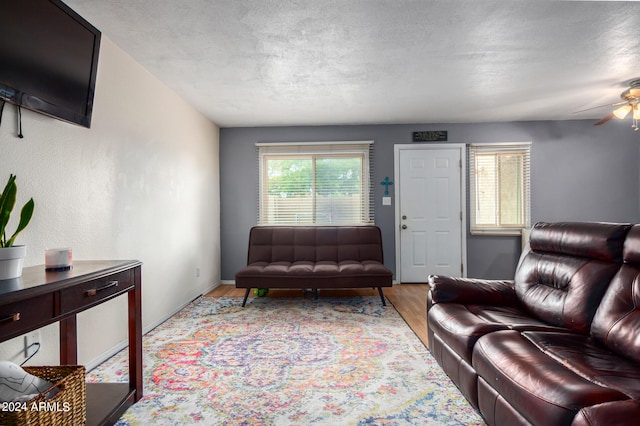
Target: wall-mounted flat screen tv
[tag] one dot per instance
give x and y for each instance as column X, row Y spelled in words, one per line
column 48, row 59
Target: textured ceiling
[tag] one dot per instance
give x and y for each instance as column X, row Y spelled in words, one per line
column 315, row 62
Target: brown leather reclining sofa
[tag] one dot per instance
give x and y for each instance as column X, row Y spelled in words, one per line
column 558, row 345
column 314, row 257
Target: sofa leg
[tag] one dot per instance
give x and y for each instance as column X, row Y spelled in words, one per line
column 382, row 296
column 246, row 295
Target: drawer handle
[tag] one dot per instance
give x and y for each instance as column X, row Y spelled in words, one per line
column 11, row 318
column 94, row 291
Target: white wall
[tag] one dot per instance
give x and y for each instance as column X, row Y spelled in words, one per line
column 142, row 183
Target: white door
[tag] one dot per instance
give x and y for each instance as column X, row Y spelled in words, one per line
column 429, row 211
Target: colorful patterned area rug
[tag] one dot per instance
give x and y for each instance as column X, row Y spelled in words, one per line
column 289, row 361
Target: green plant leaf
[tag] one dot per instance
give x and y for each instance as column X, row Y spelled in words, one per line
column 7, row 202
column 25, row 216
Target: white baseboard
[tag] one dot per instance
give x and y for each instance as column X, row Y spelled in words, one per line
column 105, row 356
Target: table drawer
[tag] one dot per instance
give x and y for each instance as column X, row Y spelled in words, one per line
column 20, row 317
column 92, row 292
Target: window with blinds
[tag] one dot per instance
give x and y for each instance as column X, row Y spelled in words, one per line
column 500, row 191
column 323, row 183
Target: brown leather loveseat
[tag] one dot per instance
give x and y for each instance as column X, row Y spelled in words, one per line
column 314, row 257
column 558, row 345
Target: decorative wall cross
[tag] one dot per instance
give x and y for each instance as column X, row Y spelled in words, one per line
column 386, row 182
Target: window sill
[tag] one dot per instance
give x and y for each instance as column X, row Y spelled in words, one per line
column 517, row 232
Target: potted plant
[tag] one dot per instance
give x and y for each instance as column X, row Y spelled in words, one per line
column 11, row 256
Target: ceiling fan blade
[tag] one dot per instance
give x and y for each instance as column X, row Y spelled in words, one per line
column 604, row 119
column 601, row 106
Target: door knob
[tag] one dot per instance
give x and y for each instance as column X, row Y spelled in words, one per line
column 404, row 226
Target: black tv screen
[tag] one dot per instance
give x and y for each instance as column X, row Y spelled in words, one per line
column 48, row 59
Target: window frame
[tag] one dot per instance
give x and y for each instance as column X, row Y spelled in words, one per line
column 314, row 150
column 520, row 148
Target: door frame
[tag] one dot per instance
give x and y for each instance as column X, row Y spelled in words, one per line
column 463, row 196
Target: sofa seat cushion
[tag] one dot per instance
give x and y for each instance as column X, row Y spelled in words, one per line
column 609, row 413
column 542, row 389
column 513, row 318
column 315, row 269
column 306, row 274
column 460, row 326
column 585, row 357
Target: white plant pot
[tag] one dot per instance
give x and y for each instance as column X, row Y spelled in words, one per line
column 11, row 260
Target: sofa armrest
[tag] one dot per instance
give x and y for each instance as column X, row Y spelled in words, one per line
column 445, row 289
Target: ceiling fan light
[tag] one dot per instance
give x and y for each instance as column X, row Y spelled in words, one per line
column 622, row 112
column 636, row 112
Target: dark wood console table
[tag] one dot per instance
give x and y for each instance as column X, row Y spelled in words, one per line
column 39, row 298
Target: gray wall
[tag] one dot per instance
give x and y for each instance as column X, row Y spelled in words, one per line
column 578, row 173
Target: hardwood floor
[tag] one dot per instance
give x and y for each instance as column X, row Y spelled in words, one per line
column 410, row 300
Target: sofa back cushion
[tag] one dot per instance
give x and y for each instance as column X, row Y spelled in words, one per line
column 566, row 268
column 617, row 321
column 314, row 244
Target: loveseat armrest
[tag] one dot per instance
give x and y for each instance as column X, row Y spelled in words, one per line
column 444, row 289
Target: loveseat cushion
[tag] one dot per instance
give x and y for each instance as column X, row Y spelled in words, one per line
column 541, row 389
column 460, row 326
column 563, row 274
column 609, row 413
column 587, row 358
column 616, row 324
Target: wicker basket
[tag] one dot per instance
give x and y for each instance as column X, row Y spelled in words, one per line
column 67, row 407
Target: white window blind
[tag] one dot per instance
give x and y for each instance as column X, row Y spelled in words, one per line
column 500, row 188
column 318, row 183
